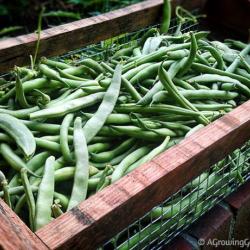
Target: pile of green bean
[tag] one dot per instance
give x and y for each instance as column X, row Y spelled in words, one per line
column 68, row 131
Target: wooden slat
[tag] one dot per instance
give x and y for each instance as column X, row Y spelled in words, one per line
column 14, row 234
column 103, row 215
column 64, row 38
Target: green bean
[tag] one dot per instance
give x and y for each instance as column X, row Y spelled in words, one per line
column 212, row 107
column 137, row 51
column 175, row 126
column 76, row 94
column 208, row 78
column 95, row 123
column 54, row 64
column 237, row 44
column 124, row 52
column 136, row 132
column 28, row 86
column 48, row 145
column 150, row 32
column 242, row 72
column 67, row 173
column 64, row 145
column 20, row 97
column 92, row 89
column 130, row 88
column 173, row 71
column 116, row 159
column 148, row 82
column 98, row 147
column 209, row 70
column 92, row 65
column 177, row 54
column 143, row 90
column 56, row 209
column 148, row 72
column 80, row 186
column 131, row 73
column 183, row 84
column 75, row 72
column 105, row 183
column 155, row 230
column 202, row 60
column 188, row 62
column 236, row 62
column 13, row 160
column 166, row 16
column 68, row 107
column 156, row 109
column 155, row 56
column 5, row 138
column 245, row 64
column 216, row 54
column 19, row 132
column 18, row 190
column 194, row 129
column 179, row 207
column 108, row 155
column 127, row 161
column 6, row 192
column 33, row 164
column 171, row 88
column 49, row 128
column 64, row 201
column 45, row 195
column 51, row 74
column 196, row 95
column 29, row 198
column 152, row 44
column 113, row 118
column 60, row 98
column 156, row 151
column 22, row 113
column 76, row 83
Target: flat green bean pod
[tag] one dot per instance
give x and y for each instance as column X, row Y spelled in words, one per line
column 95, row 123
column 19, row 132
column 45, row 195
column 68, row 107
column 80, row 186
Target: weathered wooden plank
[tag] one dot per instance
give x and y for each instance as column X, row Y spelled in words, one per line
column 67, row 37
column 103, row 215
column 14, row 234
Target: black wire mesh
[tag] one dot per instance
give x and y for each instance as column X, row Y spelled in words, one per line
column 104, row 50
column 176, row 213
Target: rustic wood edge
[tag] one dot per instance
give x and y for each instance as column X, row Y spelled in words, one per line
column 106, row 213
column 14, row 234
column 64, row 38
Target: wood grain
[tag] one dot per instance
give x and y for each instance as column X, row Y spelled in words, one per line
column 14, row 234
column 67, row 37
column 103, row 215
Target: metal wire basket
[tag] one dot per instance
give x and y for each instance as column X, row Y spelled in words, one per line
column 160, row 225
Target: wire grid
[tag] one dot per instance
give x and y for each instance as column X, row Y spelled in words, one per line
column 105, row 49
column 164, row 222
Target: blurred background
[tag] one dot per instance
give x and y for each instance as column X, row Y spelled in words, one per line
column 20, row 16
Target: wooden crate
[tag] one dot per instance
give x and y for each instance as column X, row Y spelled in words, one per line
column 103, row 215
